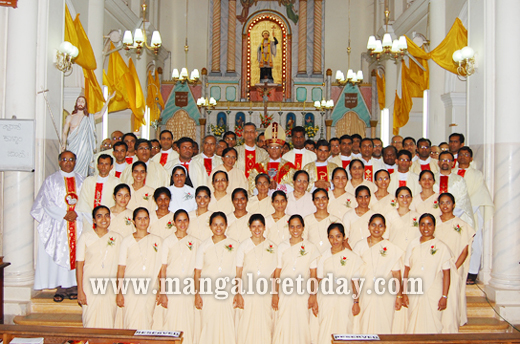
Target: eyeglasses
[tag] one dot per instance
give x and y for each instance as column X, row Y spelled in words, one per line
column 229, row 139
column 143, row 148
column 446, row 160
column 68, row 159
column 230, row 157
column 404, row 160
column 275, row 147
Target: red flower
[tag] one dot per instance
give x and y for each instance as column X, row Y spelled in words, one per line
column 230, row 246
column 303, row 247
column 111, row 239
column 432, row 246
column 344, row 257
column 270, row 246
column 384, row 248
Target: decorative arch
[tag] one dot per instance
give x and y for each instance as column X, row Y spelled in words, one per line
column 248, row 54
column 181, row 124
column 350, row 124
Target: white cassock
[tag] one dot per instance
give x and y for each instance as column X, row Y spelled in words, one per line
column 433, row 165
column 166, row 159
column 457, row 187
column 199, row 160
column 156, row 175
column 409, row 179
column 89, row 190
column 306, row 157
column 117, row 171
column 49, row 209
column 182, row 198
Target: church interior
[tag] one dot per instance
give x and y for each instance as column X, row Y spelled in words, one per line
column 376, row 68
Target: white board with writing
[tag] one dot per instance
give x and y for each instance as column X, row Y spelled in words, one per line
column 17, row 145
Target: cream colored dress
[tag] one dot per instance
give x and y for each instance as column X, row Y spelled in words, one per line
column 384, row 205
column 339, row 206
column 238, row 229
column 457, row 234
column 335, row 310
column 237, row 179
column 316, row 231
column 426, row 261
column 199, row 225
column 356, row 227
column 214, row 261
column 377, row 311
column 352, row 190
column 142, row 259
column 264, row 207
column 224, row 205
column 303, row 206
column 142, row 198
column 162, row 227
column 430, row 205
column 122, row 223
column 100, row 257
column 179, row 256
column 292, row 324
column 277, row 231
column 256, row 321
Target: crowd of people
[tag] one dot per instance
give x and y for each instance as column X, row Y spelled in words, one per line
column 347, row 208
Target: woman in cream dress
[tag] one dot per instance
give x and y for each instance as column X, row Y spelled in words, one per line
column 120, row 215
column 142, row 195
column 97, row 254
column 299, row 201
column 428, row 258
column 356, row 220
column 340, row 201
column 427, row 200
column 140, row 257
column 382, row 260
column 216, row 258
column 178, row 261
column 357, row 171
column 199, row 218
column 382, row 201
column 296, row 257
column 316, row 224
column 237, row 178
column 161, row 220
column 261, row 203
column 238, row 220
column 256, row 258
column 277, row 224
column 458, row 236
column 221, row 200
column 403, row 228
column 336, row 311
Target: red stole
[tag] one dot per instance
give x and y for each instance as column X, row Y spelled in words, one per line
column 345, row 163
column 443, row 184
column 425, row 167
column 368, row 173
column 461, row 172
column 250, row 161
column 322, row 173
column 402, row 183
column 208, row 165
column 164, row 158
column 129, row 160
column 98, row 194
column 298, row 160
column 71, row 199
column 390, row 170
column 118, row 174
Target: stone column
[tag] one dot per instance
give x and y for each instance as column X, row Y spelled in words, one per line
column 232, row 22
column 215, row 41
column 318, row 9
column 437, row 116
column 18, row 188
column 302, row 38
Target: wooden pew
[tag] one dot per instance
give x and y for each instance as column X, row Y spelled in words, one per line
column 458, row 338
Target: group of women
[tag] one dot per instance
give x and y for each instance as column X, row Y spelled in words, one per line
column 356, row 232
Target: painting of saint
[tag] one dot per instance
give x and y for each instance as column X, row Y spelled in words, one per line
column 309, row 120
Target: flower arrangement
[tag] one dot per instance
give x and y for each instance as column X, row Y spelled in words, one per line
column 218, row 130
column 382, row 252
column 229, row 247
column 348, row 203
column 146, row 196
column 311, row 130
column 270, row 249
column 111, row 242
column 302, row 250
column 435, row 205
column 433, row 250
column 457, row 228
column 155, row 247
column 288, row 132
column 190, row 245
column 393, row 203
column 343, row 261
column 169, row 225
column 239, row 131
column 414, row 222
column 266, row 120
column 128, row 221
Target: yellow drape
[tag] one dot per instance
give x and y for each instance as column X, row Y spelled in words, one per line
column 154, row 97
column 93, row 92
column 114, row 79
column 135, row 95
column 414, row 80
column 86, row 58
column 381, row 90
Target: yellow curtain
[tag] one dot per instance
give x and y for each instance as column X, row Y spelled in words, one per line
column 135, row 95
column 457, row 38
column 93, row 92
column 381, row 87
column 86, row 58
column 159, row 94
column 114, row 79
column 154, row 97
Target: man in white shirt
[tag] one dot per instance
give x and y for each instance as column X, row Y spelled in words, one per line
column 389, row 158
column 119, row 154
column 231, row 139
column 378, row 148
column 371, row 165
column 156, row 175
column 345, row 157
column 410, row 145
column 456, row 141
column 207, row 160
column 249, row 153
column 356, row 145
column 320, row 172
column 403, row 176
column 130, row 139
column 299, row 156
column 334, row 147
column 397, row 142
column 424, row 162
column 167, row 155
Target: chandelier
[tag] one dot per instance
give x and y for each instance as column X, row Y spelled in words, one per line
column 352, row 77
column 65, row 56
column 139, row 40
column 465, row 59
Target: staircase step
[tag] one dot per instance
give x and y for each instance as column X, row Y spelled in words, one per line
column 46, row 319
column 43, row 303
column 478, row 307
column 484, row 325
column 473, row 290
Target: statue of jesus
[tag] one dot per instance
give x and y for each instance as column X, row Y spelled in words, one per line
column 266, row 51
column 79, row 133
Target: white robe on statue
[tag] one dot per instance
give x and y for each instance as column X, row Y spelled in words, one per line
column 49, row 208
column 82, row 142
